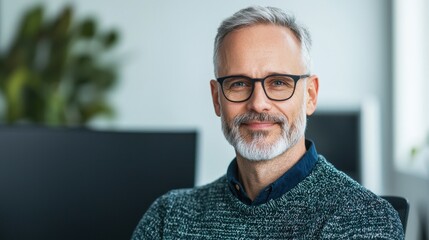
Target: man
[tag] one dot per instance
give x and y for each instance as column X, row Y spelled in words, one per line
column 277, row 187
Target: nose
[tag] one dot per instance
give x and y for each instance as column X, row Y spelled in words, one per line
column 259, row 102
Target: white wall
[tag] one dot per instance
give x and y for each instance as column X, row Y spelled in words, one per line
column 166, row 56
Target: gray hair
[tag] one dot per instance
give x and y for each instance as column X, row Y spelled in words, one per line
column 266, row 15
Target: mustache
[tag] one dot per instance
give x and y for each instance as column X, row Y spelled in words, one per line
column 262, row 117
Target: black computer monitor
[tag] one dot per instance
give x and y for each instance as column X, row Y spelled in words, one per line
column 336, row 135
column 83, row 184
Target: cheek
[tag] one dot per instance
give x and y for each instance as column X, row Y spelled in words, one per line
column 230, row 110
column 290, row 109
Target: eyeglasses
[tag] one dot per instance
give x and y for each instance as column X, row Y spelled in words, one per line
column 277, row 87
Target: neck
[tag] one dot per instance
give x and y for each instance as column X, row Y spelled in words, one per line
column 256, row 175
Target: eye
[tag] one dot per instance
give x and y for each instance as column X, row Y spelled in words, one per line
column 279, row 82
column 237, row 83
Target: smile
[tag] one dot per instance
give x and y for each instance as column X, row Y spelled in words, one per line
column 255, row 125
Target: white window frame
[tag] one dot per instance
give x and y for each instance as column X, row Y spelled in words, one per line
column 411, row 86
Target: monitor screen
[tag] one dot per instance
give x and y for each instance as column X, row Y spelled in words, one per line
column 337, row 137
column 84, row 184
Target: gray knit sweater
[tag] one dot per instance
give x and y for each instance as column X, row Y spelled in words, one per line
column 325, row 205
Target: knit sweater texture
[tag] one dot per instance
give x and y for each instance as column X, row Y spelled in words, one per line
column 327, row 204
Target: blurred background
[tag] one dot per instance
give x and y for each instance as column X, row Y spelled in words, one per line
column 145, row 65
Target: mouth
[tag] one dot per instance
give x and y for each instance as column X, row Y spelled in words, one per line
column 259, row 125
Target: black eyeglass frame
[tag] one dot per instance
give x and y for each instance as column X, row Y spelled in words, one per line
column 262, row 80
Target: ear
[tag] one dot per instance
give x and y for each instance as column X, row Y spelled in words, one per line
column 215, row 96
column 312, row 94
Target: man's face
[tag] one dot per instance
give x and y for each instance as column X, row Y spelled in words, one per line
column 260, row 123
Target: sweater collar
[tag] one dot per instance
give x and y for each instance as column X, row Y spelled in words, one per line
column 279, row 187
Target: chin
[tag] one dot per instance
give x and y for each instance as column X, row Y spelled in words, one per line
column 261, row 151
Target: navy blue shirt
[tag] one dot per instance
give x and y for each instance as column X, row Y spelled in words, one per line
column 276, row 189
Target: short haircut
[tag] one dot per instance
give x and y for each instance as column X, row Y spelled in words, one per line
column 263, row 15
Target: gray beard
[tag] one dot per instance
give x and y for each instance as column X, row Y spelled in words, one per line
column 258, row 149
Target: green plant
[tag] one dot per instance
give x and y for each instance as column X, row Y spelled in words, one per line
column 417, row 150
column 55, row 71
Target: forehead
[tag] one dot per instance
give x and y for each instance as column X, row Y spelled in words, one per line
column 262, row 47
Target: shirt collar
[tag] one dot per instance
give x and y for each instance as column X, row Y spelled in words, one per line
column 282, row 185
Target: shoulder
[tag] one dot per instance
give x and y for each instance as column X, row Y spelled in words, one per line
column 206, row 193
column 336, row 185
column 176, row 206
column 353, row 210
column 192, row 198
